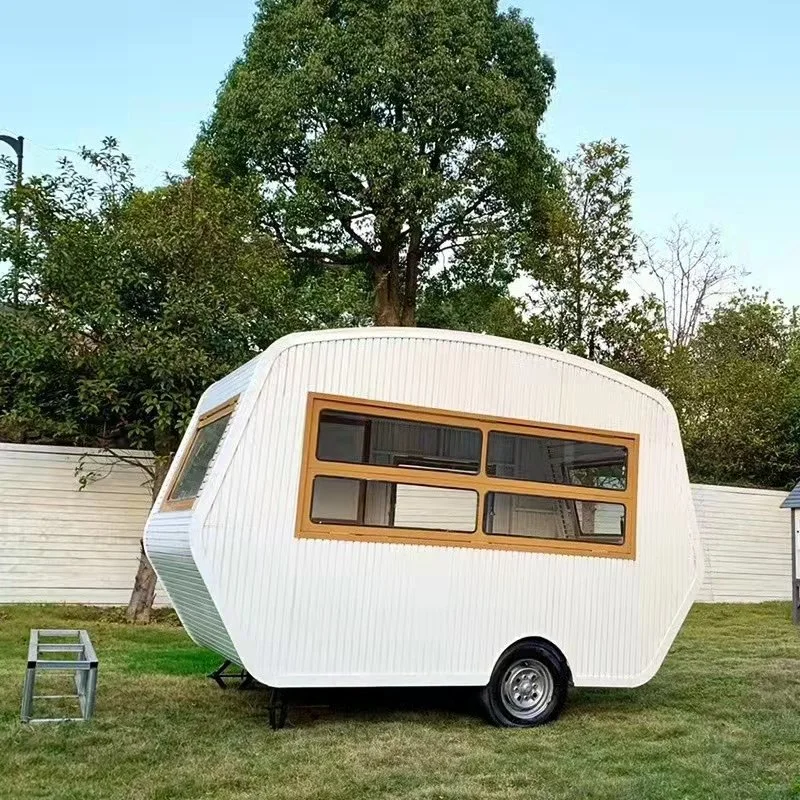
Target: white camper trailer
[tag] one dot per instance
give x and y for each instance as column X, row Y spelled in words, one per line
column 406, row 507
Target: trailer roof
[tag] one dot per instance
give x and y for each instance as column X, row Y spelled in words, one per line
column 466, row 337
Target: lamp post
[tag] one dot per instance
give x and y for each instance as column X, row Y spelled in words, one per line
column 17, row 145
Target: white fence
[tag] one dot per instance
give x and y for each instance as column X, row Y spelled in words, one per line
column 747, row 544
column 61, row 544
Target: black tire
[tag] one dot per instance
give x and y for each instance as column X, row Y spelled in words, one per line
column 528, row 687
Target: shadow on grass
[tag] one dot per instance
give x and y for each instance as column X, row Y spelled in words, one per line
column 320, row 706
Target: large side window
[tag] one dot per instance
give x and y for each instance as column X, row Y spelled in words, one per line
column 197, row 460
column 388, row 473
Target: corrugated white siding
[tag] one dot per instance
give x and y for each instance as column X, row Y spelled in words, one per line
column 316, row 612
column 747, row 543
column 59, row 543
column 170, row 553
column 168, row 537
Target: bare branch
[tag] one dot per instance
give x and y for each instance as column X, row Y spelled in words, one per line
column 691, row 271
column 144, row 464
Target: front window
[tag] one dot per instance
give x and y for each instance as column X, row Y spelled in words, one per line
column 199, row 455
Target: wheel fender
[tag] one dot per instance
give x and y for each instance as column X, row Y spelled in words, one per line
column 554, row 649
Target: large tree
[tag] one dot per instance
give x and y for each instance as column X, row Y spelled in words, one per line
column 578, row 293
column 386, row 132
column 132, row 302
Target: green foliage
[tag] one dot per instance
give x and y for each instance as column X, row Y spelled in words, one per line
column 578, row 295
column 636, row 343
column 385, row 132
column 133, row 302
column 472, row 293
column 736, row 390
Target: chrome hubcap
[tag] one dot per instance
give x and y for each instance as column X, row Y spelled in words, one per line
column 527, row 688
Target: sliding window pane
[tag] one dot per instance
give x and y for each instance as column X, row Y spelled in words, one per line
column 550, row 460
column 554, row 518
column 366, row 439
column 385, row 504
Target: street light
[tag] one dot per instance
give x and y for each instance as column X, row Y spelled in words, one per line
column 17, row 145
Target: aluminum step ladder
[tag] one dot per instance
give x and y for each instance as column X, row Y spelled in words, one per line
column 83, row 662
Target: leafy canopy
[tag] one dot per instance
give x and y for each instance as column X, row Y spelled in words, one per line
column 736, row 390
column 385, row 132
column 133, row 302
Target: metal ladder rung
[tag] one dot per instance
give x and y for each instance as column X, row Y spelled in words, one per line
column 55, row 696
column 46, row 664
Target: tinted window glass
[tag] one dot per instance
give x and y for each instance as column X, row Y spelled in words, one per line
column 549, row 460
column 384, row 504
column 197, row 462
column 362, row 439
column 553, row 518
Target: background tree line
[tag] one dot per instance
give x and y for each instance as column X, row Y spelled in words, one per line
column 380, row 163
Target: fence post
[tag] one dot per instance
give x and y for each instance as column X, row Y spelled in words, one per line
column 795, row 579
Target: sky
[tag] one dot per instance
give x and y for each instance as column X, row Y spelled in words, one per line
column 705, row 93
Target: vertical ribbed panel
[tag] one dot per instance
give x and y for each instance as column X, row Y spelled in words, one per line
column 169, row 540
column 169, row 552
column 228, row 387
column 315, row 612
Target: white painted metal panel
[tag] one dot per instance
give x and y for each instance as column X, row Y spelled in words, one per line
column 168, row 536
column 746, row 539
column 60, row 543
column 169, row 550
column 316, row 612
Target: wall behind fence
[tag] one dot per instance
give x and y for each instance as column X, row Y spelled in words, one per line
column 59, row 544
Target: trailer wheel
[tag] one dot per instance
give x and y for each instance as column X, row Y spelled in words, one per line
column 528, row 687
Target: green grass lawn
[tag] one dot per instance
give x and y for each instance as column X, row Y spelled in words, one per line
column 721, row 719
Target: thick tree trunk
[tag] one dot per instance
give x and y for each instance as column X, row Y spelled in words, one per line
column 144, row 586
column 387, row 304
column 385, row 310
column 144, row 590
column 396, row 285
column 408, row 315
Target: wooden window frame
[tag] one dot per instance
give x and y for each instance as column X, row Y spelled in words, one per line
column 482, row 483
column 218, row 412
